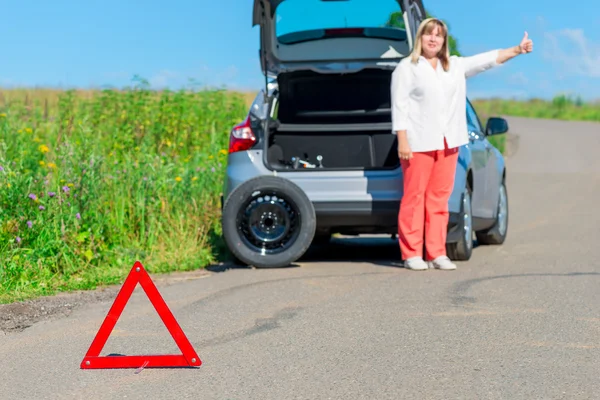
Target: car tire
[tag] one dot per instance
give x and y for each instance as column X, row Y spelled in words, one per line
column 497, row 233
column 462, row 249
column 268, row 222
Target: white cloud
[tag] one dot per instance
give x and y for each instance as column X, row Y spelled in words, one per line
column 499, row 93
column 573, row 52
column 6, row 82
column 518, row 79
column 163, row 79
column 202, row 76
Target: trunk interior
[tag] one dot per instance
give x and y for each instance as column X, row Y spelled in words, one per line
column 333, row 122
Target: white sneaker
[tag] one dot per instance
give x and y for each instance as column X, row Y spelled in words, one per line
column 443, row 262
column 416, row 264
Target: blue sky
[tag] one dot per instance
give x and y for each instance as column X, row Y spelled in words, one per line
column 68, row 43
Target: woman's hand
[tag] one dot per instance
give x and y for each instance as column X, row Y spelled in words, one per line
column 526, row 45
column 404, row 151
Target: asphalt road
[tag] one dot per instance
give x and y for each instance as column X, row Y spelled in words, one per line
column 518, row 321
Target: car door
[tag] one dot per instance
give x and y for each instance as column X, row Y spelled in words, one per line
column 492, row 176
column 347, row 35
column 480, row 158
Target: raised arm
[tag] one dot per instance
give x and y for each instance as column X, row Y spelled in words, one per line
column 482, row 62
column 526, row 46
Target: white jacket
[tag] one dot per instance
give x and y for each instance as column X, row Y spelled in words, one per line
column 431, row 104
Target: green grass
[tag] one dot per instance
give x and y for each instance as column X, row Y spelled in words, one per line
column 90, row 183
column 560, row 107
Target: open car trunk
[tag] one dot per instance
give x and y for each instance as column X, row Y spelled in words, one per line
column 332, row 122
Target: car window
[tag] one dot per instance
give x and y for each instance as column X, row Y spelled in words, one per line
column 473, row 119
column 301, row 20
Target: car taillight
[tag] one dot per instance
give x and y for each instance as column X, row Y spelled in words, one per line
column 241, row 138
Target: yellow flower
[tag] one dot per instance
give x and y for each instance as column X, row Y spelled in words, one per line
column 8, row 184
column 20, row 131
column 28, row 130
column 194, row 178
column 210, row 157
column 43, row 148
column 137, row 149
column 178, row 179
column 2, row 115
column 223, row 152
column 42, row 163
column 51, row 165
column 70, row 185
column 37, row 139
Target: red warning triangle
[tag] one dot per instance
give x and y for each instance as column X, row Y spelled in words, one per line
column 188, row 358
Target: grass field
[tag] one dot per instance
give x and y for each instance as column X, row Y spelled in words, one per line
column 91, row 181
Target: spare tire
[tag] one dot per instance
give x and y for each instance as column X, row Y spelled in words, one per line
column 268, row 222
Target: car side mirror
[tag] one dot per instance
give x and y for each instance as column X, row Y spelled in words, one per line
column 496, row 126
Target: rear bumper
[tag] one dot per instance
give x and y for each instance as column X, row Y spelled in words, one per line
column 369, row 217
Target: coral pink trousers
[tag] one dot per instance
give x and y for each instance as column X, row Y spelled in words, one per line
column 423, row 216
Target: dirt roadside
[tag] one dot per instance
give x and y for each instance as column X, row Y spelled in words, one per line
column 16, row 317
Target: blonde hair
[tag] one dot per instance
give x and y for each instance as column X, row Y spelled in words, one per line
column 427, row 26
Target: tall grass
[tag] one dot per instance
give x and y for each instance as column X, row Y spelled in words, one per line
column 91, row 182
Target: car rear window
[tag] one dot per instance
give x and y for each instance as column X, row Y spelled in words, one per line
column 303, row 20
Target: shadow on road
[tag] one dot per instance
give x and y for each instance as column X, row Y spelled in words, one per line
column 380, row 250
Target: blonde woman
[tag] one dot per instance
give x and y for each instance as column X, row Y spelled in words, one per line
column 428, row 92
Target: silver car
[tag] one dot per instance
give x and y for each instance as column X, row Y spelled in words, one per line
column 316, row 154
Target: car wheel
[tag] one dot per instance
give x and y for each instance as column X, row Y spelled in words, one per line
column 268, row 222
column 497, row 233
column 463, row 248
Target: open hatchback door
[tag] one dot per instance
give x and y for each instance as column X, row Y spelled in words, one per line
column 331, row 62
column 335, row 35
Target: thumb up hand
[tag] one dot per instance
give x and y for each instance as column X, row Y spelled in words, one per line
column 526, row 45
